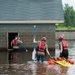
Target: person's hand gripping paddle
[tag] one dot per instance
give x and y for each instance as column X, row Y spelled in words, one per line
column 34, row 51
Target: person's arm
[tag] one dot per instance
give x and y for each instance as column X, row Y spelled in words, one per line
column 19, row 41
column 47, row 49
column 61, row 48
column 34, row 41
column 11, row 42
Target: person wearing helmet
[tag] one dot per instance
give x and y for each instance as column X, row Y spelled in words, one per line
column 41, row 48
column 63, row 47
column 14, row 44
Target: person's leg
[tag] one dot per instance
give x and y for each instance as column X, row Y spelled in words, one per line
column 61, row 55
column 38, row 58
column 42, row 59
column 66, row 54
column 15, row 56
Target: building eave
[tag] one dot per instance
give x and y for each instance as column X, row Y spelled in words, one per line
column 33, row 22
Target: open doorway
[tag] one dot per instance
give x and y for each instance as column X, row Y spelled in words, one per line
column 11, row 36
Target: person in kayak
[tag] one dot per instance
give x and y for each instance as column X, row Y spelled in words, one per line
column 41, row 48
column 63, row 47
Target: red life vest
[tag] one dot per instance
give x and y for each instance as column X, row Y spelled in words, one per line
column 65, row 45
column 15, row 43
column 42, row 46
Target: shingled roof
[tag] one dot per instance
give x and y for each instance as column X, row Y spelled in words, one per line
column 27, row 10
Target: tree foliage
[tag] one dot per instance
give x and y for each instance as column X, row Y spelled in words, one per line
column 69, row 16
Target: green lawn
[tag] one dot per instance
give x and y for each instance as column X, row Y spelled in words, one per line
column 65, row 28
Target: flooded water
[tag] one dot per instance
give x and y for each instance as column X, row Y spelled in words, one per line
column 34, row 68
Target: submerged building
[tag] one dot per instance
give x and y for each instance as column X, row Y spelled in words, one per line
column 18, row 17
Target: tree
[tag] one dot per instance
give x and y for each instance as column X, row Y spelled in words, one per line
column 69, row 16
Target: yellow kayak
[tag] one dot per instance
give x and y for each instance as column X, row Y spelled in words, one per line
column 63, row 63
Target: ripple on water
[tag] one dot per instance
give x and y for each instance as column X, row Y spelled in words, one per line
column 71, row 70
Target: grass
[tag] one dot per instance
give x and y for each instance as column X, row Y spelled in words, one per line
column 65, row 28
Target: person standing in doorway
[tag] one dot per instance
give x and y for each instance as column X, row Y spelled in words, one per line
column 63, row 47
column 15, row 42
column 41, row 48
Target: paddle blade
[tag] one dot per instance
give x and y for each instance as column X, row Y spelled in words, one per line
column 26, row 50
column 34, row 55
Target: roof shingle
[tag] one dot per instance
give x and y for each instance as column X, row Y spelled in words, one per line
column 23, row 10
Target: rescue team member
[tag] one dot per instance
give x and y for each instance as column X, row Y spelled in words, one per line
column 15, row 42
column 41, row 48
column 63, row 47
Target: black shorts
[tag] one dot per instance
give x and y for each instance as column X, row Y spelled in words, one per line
column 15, row 49
column 65, row 53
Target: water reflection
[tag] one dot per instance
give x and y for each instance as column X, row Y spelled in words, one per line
column 53, row 70
column 71, row 70
column 15, row 69
column 34, row 68
column 63, row 70
column 44, row 68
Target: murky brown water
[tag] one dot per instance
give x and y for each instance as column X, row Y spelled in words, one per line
column 34, row 68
